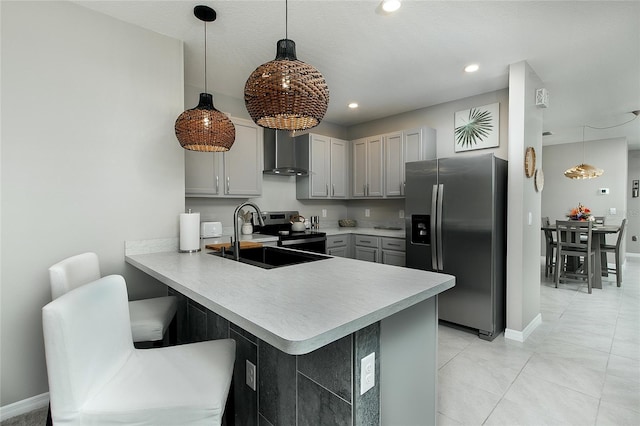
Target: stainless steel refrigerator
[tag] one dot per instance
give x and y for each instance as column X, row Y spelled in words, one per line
column 455, row 210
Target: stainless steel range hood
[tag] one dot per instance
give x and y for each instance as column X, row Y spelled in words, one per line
column 280, row 154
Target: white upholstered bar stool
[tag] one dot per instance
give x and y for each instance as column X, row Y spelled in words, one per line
column 150, row 318
column 97, row 377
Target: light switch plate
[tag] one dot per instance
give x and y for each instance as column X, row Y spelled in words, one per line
column 367, row 372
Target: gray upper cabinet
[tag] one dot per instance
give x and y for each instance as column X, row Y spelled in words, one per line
column 367, row 167
column 235, row 173
column 419, row 144
column 379, row 161
column 403, row 147
column 326, row 160
column 394, row 165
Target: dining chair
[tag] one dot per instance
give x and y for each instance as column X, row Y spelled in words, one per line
column 615, row 248
column 150, row 318
column 551, row 246
column 571, row 245
column 97, row 377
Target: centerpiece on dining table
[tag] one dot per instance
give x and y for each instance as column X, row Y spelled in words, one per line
column 580, row 213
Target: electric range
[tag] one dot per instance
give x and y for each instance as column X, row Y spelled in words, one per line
column 278, row 223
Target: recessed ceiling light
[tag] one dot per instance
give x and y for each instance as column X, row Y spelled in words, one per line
column 390, row 5
column 472, row 68
column 353, row 105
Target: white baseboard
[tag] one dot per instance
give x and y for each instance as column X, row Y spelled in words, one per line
column 521, row 336
column 24, row 406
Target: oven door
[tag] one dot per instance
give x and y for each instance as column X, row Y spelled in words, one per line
column 316, row 244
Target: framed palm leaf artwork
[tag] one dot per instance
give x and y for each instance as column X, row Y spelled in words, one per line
column 477, row 128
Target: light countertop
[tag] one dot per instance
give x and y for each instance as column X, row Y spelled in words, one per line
column 296, row 308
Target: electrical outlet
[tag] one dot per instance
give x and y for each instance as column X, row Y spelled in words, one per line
column 367, row 212
column 251, row 375
column 324, row 212
column 612, row 211
column 401, row 214
column 367, row 372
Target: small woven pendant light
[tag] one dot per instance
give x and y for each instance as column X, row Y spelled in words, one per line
column 583, row 171
column 286, row 94
column 204, row 128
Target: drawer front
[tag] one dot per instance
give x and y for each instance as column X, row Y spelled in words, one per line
column 337, row 241
column 393, row 244
column 366, row 241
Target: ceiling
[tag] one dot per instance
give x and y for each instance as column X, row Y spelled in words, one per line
column 587, row 53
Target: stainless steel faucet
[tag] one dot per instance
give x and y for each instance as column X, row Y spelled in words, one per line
column 236, row 240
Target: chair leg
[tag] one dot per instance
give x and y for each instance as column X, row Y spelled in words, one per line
column 558, row 268
column 618, row 269
column 589, row 259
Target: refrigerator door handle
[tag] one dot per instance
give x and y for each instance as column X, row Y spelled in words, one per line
column 434, row 252
column 439, row 226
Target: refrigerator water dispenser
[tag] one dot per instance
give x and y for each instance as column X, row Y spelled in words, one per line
column 421, row 229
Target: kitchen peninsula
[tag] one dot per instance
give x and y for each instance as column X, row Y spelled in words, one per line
column 307, row 327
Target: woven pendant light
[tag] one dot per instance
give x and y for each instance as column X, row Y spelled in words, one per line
column 286, row 94
column 583, row 171
column 204, row 128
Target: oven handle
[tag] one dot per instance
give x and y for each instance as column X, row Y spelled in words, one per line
column 301, row 241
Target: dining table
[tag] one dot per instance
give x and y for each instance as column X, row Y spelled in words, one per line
column 599, row 233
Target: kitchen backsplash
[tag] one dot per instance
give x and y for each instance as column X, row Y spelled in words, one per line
column 279, row 193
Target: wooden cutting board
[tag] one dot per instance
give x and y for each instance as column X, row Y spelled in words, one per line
column 243, row 245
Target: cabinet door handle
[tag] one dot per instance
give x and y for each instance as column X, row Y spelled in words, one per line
column 333, row 189
column 338, row 241
column 228, row 185
column 217, row 184
column 365, row 241
column 393, row 244
column 364, row 189
column 326, row 187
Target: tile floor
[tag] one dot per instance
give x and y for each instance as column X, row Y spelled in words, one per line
column 581, row 366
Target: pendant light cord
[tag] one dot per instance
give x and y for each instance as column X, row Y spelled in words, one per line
column 205, row 57
column 583, row 148
column 286, row 19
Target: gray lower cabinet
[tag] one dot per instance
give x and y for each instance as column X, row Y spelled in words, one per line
column 366, row 248
column 339, row 245
column 390, row 251
column 393, row 251
column 396, row 258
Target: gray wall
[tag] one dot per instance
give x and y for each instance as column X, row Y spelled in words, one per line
column 88, row 160
column 633, row 206
column 523, row 222
column 562, row 194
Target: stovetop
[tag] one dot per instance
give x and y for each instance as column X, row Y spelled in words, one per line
column 278, row 223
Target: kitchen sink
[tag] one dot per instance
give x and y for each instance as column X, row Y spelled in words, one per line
column 273, row 257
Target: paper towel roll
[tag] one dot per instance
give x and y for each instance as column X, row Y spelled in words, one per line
column 189, row 232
